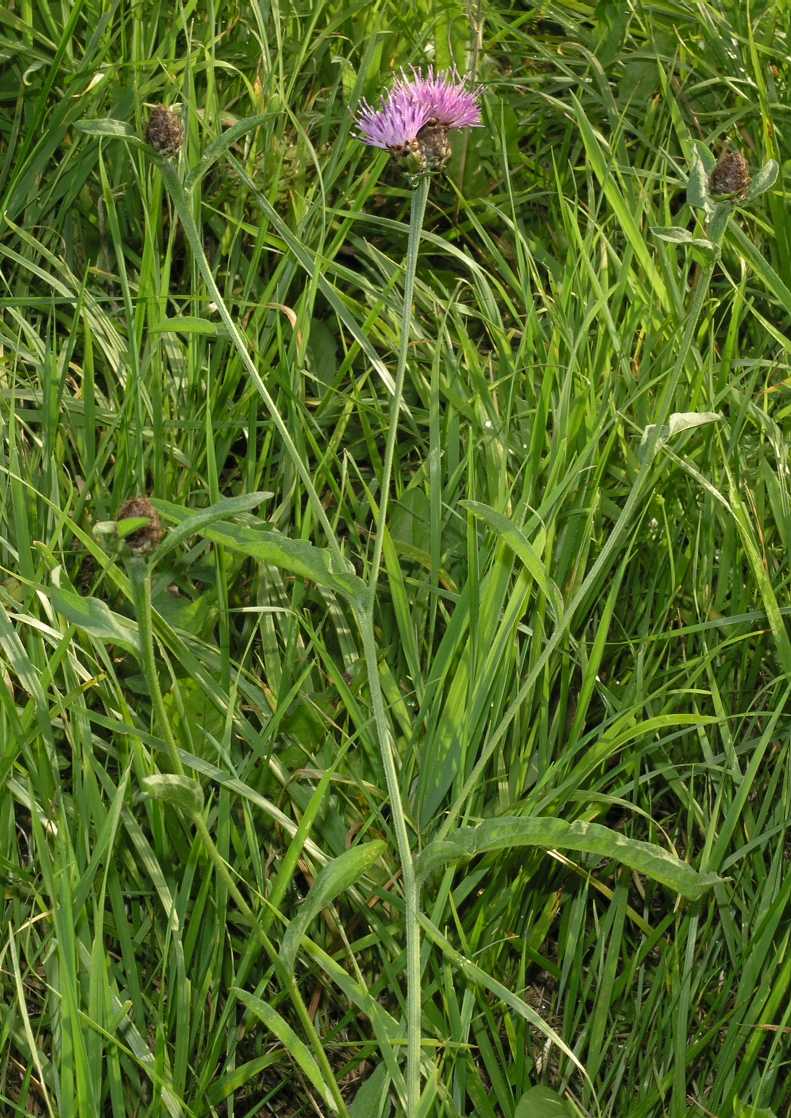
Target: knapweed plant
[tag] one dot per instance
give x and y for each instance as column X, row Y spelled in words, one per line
column 413, row 122
column 395, row 676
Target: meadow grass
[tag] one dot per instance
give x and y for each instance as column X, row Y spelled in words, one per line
column 438, row 759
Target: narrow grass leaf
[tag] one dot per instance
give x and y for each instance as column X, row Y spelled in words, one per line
column 481, row 978
column 601, row 164
column 371, row 1100
column 295, row 1047
column 514, row 538
column 220, row 146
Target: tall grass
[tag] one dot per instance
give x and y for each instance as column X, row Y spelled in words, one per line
column 438, row 761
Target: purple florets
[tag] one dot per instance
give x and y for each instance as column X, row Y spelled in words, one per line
column 450, row 102
column 417, row 113
column 396, row 125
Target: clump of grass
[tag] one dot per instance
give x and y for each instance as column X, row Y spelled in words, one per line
column 576, row 652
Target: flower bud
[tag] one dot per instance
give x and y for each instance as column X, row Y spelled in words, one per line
column 165, row 131
column 145, row 539
column 731, row 175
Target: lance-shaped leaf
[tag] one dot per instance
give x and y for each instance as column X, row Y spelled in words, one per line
column 95, row 617
column 763, row 180
column 334, row 879
column 542, row 1102
column 180, row 791
column 548, row 833
column 301, row 558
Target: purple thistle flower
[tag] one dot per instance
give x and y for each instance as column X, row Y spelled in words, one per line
column 416, row 115
column 395, row 125
column 450, row 102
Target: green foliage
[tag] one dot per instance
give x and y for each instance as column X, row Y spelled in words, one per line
column 568, row 696
column 509, row 832
column 541, row 1102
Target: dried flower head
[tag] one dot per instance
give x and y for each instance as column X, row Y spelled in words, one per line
column 147, row 537
column 731, row 175
column 165, row 130
column 416, row 115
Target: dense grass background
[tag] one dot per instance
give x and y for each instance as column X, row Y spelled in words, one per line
column 582, row 610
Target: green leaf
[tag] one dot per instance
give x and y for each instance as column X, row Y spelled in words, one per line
column 763, row 180
column 673, row 234
column 268, row 546
column 128, row 526
column 95, row 617
column 295, row 1047
column 686, row 420
column 548, row 833
column 698, row 186
column 180, row 791
column 541, row 1102
column 517, row 541
column 745, row 1110
column 679, row 236
column 237, row 1078
column 188, row 324
column 334, row 879
column 706, row 156
column 192, row 522
column 116, row 129
column 720, row 215
column 371, row 1100
column 679, row 421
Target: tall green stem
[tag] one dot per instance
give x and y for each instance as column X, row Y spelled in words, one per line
column 366, row 623
column 690, row 326
column 718, row 218
column 419, row 196
column 140, row 581
column 365, row 616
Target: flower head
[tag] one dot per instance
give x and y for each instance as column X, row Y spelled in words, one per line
column 395, row 125
column 447, row 97
column 731, row 175
column 416, row 115
column 145, row 538
column 165, row 131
